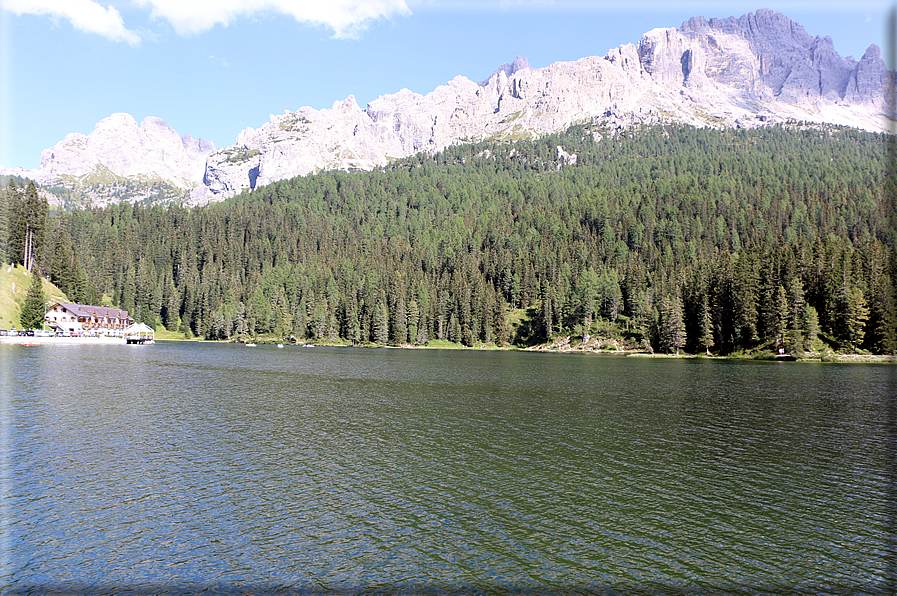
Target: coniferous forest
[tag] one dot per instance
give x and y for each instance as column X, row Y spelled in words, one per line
column 675, row 238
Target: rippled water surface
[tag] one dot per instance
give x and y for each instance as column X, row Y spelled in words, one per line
column 178, row 468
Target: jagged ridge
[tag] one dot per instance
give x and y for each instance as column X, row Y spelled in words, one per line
column 749, row 71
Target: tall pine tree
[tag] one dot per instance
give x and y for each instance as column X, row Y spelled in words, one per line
column 33, row 313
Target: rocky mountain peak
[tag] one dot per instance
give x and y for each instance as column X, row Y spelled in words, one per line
column 119, row 150
column 795, row 66
column 508, row 69
column 752, row 70
column 765, row 28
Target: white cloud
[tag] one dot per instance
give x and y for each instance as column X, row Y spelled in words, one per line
column 345, row 17
column 85, row 15
column 222, row 61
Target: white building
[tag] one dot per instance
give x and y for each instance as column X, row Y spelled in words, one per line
column 82, row 319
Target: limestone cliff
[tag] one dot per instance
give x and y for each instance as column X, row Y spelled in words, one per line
column 120, row 160
column 753, row 70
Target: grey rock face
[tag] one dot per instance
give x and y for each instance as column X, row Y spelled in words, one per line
column 754, row 70
column 869, row 80
column 117, row 144
column 119, row 150
column 519, row 63
column 794, row 66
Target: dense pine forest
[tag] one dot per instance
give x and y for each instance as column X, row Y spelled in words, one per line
column 669, row 237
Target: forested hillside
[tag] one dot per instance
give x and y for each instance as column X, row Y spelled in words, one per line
column 687, row 238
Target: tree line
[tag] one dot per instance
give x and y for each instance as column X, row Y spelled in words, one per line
column 680, row 238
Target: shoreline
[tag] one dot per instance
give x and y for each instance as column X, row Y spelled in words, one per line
column 810, row 357
column 32, row 341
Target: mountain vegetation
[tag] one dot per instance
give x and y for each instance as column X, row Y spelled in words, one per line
column 15, row 283
column 33, row 309
column 666, row 237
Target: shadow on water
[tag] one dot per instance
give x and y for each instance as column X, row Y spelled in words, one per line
column 214, row 469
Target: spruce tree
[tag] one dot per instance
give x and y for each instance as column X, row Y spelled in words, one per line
column 413, row 320
column 319, row 320
column 883, row 313
column 746, row 295
column 776, row 305
column 857, row 315
column 547, row 313
column 797, row 317
column 400, row 324
column 171, row 307
column 4, row 222
column 12, row 240
column 300, row 321
column 672, row 323
column 705, row 338
column 32, row 316
column 812, row 327
column 32, row 223
column 500, row 322
column 381, row 324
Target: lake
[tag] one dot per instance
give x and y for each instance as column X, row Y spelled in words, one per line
column 196, row 467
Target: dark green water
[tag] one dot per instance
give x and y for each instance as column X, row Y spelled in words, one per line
column 186, row 468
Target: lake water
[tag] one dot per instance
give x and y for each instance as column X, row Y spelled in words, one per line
column 183, row 468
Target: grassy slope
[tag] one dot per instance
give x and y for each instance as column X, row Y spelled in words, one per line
column 14, row 284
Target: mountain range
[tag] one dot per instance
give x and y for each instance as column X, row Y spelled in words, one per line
column 755, row 70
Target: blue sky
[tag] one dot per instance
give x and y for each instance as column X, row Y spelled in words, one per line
column 211, row 68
